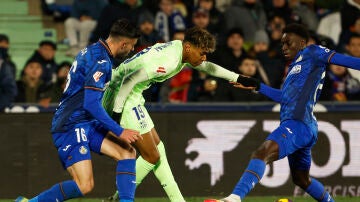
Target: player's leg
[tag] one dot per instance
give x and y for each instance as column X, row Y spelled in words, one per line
column 266, row 153
column 124, row 154
column 81, row 184
column 149, row 156
column 144, row 167
column 299, row 163
column 152, row 151
column 136, row 117
column 80, row 168
column 280, row 143
column 75, row 144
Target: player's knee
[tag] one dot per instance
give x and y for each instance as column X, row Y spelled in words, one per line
column 266, row 153
column 301, row 182
column 258, row 154
column 129, row 153
column 86, row 187
column 152, row 158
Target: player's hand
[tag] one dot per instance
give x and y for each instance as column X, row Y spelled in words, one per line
column 245, row 81
column 239, row 85
column 130, row 136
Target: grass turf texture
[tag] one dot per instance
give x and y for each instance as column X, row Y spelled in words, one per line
column 201, row 199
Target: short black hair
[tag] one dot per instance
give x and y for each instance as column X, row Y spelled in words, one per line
column 4, row 37
column 48, row 43
column 297, row 29
column 124, row 28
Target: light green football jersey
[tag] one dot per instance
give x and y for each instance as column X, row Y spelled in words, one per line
column 160, row 61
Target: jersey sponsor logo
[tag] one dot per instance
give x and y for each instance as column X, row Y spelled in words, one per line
column 295, row 70
column 161, row 70
column 83, row 150
column 97, row 76
column 101, row 61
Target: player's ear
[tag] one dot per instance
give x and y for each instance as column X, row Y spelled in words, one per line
column 303, row 43
column 187, row 47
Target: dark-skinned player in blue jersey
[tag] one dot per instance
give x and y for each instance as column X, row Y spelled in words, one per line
column 81, row 125
column 297, row 132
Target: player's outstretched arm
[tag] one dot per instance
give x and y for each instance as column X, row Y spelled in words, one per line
column 346, row 61
column 217, row 71
column 272, row 93
column 249, row 83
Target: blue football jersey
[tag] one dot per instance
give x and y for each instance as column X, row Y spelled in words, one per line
column 91, row 69
column 303, row 84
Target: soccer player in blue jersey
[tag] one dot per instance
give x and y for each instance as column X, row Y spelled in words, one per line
column 81, row 125
column 297, row 132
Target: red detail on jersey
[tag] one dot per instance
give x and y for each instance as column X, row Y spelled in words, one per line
column 97, row 76
column 161, row 70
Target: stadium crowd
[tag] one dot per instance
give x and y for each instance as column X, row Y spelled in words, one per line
column 248, row 34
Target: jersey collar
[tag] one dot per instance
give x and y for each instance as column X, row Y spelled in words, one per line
column 106, row 46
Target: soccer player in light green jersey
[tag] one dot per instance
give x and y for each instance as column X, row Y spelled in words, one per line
column 124, row 101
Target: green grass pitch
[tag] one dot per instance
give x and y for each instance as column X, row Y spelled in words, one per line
column 201, row 199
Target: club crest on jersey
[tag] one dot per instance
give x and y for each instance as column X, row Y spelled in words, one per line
column 83, row 150
column 97, row 76
column 161, row 70
column 295, row 70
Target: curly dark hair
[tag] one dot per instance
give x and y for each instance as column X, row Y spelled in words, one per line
column 297, row 29
column 200, row 38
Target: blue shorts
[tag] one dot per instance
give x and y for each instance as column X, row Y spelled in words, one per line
column 295, row 141
column 75, row 144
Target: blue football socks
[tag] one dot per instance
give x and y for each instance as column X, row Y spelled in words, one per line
column 125, row 180
column 250, row 177
column 318, row 192
column 59, row 192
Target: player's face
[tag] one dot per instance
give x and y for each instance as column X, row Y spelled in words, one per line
column 126, row 46
column 194, row 55
column 291, row 45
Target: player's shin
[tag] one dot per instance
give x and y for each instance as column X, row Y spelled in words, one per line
column 59, row 192
column 143, row 168
column 252, row 175
column 318, row 192
column 163, row 173
column 125, row 180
